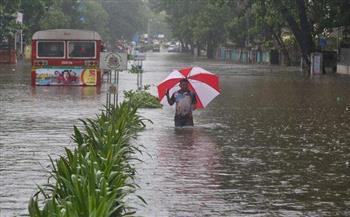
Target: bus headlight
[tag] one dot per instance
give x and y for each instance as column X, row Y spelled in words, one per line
column 90, row 63
column 40, row 63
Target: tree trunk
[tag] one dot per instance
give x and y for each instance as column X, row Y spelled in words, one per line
column 305, row 25
column 210, row 50
column 280, row 43
column 199, row 48
column 302, row 33
column 283, row 48
column 192, row 48
column 182, row 45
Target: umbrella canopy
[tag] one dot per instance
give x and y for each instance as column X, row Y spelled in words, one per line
column 205, row 84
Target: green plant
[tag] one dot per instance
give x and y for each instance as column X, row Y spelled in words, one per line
column 135, row 69
column 146, row 87
column 94, row 179
column 142, row 99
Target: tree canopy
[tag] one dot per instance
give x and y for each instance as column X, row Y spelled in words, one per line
column 196, row 23
column 251, row 23
column 111, row 18
column 8, row 10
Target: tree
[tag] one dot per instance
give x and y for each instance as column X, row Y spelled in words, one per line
column 55, row 18
column 306, row 19
column 93, row 16
column 51, row 14
column 181, row 19
column 157, row 24
column 209, row 26
column 33, row 12
column 8, row 25
column 111, row 18
column 196, row 23
column 295, row 14
column 270, row 22
column 125, row 17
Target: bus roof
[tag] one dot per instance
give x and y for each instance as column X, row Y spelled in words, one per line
column 66, row 34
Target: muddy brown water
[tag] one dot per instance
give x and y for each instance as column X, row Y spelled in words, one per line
column 276, row 142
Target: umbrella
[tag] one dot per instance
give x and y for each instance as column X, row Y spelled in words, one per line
column 205, row 84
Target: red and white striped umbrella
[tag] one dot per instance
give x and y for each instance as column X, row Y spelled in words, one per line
column 205, row 84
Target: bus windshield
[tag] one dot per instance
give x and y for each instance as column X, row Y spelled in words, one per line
column 51, row 49
column 81, row 49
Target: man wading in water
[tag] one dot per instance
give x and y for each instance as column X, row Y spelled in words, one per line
column 185, row 103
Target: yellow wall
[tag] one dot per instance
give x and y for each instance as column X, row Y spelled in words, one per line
column 28, row 52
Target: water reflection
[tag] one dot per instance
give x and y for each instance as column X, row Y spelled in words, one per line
column 34, row 123
column 285, row 146
column 185, row 179
column 66, row 91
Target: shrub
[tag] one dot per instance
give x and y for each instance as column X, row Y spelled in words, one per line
column 94, row 179
column 142, row 99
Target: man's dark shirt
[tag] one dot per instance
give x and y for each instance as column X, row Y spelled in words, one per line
column 184, row 105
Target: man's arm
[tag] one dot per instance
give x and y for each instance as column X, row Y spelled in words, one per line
column 170, row 100
column 194, row 101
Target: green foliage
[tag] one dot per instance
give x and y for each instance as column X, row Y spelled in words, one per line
column 93, row 17
column 112, row 19
column 125, row 17
column 234, row 28
column 8, row 25
column 254, row 23
column 209, row 24
column 56, row 19
column 142, row 99
column 34, row 11
column 196, row 22
column 94, row 179
column 180, row 16
column 135, row 69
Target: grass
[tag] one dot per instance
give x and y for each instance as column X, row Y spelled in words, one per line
column 93, row 179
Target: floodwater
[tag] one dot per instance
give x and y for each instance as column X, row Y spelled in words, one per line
column 276, row 142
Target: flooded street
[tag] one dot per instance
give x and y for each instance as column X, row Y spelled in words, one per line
column 274, row 143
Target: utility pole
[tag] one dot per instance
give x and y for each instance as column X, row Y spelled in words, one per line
column 19, row 20
column 21, row 42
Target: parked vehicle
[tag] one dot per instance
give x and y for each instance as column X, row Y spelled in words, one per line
column 173, row 48
column 156, row 48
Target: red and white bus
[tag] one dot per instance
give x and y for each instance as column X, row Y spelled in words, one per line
column 66, row 57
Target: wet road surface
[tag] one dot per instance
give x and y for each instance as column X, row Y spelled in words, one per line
column 274, row 143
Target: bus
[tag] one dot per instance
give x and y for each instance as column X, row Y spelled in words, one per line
column 66, row 57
